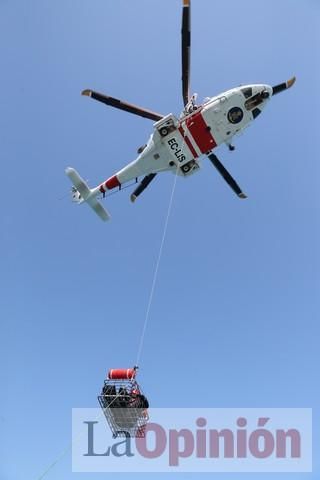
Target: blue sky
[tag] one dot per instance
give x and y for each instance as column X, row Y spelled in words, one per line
column 236, row 301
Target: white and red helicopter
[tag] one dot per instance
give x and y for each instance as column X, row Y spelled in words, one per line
column 177, row 144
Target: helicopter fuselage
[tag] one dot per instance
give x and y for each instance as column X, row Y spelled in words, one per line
column 176, row 145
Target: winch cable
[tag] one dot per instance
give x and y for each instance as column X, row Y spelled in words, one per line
column 156, row 269
column 68, row 448
column 57, row 460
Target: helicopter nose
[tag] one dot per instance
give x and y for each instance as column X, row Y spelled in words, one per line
column 283, row 86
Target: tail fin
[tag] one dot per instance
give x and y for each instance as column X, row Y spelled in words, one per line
column 85, row 194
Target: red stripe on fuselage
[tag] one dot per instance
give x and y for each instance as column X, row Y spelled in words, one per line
column 200, row 132
column 112, row 182
column 192, row 150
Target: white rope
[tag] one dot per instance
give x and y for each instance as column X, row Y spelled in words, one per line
column 155, row 275
column 57, row 460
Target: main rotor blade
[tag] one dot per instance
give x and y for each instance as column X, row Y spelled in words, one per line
column 127, row 107
column 283, row 86
column 185, row 51
column 226, row 175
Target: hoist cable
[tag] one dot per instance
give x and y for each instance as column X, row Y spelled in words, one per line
column 155, row 274
column 53, row 464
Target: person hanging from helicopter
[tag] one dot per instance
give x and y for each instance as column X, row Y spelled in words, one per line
column 138, row 400
column 140, row 403
column 108, row 395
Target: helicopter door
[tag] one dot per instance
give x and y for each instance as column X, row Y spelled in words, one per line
column 214, row 115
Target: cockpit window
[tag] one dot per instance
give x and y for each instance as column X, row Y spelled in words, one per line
column 254, row 101
column 256, row 112
column 247, row 92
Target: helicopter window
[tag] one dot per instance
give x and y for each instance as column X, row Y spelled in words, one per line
column 253, row 101
column 247, row 92
column 256, row 112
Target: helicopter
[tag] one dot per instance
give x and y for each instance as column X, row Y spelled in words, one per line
column 177, row 144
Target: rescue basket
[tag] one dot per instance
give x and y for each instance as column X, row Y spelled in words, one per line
column 123, row 403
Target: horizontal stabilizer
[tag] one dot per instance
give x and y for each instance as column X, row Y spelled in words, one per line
column 99, row 209
column 86, row 194
column 78, row 182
